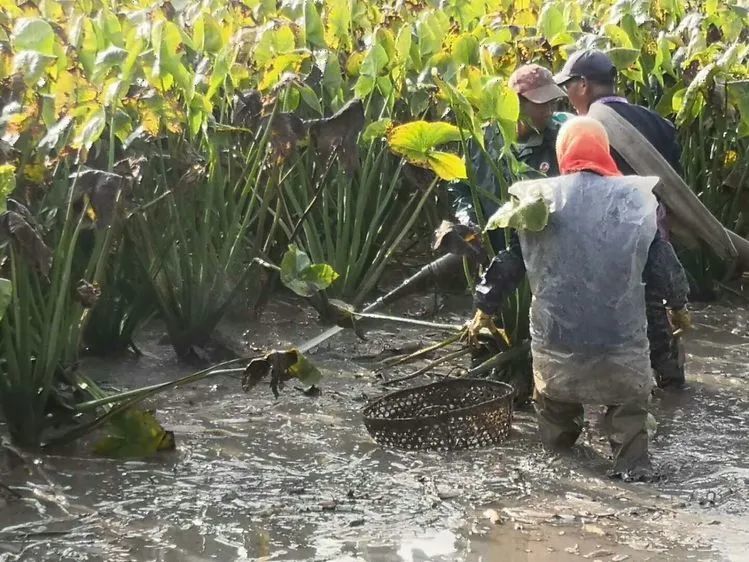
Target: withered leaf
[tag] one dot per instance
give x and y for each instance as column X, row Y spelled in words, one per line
column 456, row 238
column 103, row 190
column 339, row 132
column 15, row 228
column 87, row 293
column 282, row 365
column 248, row 106
column 286, row 130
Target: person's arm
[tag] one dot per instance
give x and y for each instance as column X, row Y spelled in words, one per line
column 664, row 276
column 504, row 274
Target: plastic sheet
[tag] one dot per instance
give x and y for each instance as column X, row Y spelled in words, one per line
column 588, row 323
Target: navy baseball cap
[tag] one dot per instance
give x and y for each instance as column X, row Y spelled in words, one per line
column 589, row 63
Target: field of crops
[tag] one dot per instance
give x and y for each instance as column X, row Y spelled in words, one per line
column 159, row 158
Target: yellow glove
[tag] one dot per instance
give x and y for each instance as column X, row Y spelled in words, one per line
column 680, row 319
column 479, row 322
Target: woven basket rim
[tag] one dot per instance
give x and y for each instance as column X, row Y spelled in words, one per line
column 508, row 392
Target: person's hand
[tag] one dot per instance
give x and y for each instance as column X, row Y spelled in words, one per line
column 680, row 319
column 479, row 322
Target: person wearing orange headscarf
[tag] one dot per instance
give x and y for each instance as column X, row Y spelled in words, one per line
column 586, row 266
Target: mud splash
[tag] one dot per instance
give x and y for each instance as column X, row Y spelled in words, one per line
column 299, row 478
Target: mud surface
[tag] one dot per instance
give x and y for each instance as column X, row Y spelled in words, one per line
column 299, row 478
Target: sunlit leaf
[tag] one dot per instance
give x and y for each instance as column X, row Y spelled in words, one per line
column 416, row 141
column 7, row 184
column 377, row 130
column 551, row 21
column 90, row 129
column 529, row 214
column 134, row 434
column 305, row 371
column 419, row 137
column 55, row 134
column 447, row 166
column 33, row 34
column 31, row 65
column 338, row 24
column 313, row 25
column 272, row 43
column 303, row 277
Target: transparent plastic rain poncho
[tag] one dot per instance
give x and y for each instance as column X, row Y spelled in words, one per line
column 588, row 324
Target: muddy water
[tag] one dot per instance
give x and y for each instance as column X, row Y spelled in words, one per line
column 298, row 478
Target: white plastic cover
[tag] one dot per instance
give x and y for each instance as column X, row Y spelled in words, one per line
column 588, row 324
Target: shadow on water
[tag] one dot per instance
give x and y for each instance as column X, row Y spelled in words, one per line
column 299, row 478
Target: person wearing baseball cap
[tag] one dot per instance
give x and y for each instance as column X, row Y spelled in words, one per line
column 538, row 125
column 589, row 77
column 537, row 130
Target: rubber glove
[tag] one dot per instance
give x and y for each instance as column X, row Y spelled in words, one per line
column 680, row 319
column 481, row 321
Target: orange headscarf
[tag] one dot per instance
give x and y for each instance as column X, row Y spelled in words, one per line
column 583, row 145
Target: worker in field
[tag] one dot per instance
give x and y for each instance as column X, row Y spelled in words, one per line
column 534, row 150
column 537, row 130
column 589, row 267
column 589, row 78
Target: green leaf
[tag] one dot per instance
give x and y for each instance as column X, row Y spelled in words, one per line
column 465, row 49
column 7, row 184
column 551, row 21
column 313, row 26
column 417, row 138
column 134, row 434
column 374, row 62
column 6, row 293
column 416, row 142
column 310, row 98
column 89, row 131
column 106, row 60
column 338, row 24
column 274, row 42
column 303, row 277
column 31, row 65
column 531, row 214
column 618, row 36
column 377, row 130
column 54, row 134
column 34, row 34
column 623, row 58
column 305, row 371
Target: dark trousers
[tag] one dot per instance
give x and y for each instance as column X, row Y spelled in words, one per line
column 560, row 424
column 664, row 347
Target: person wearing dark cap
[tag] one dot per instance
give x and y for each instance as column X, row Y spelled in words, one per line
column 589, row 77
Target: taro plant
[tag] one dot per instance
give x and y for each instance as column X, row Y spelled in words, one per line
column 199, row 232
column 53, row 280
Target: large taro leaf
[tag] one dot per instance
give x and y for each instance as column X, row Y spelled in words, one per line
column 281, row 365
column 6, row 293
column 133, row 434
column 18, row 228
column 417, row 141
column 528, row 214
column 339, row 132
column 456, row 238
column 303, row 277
